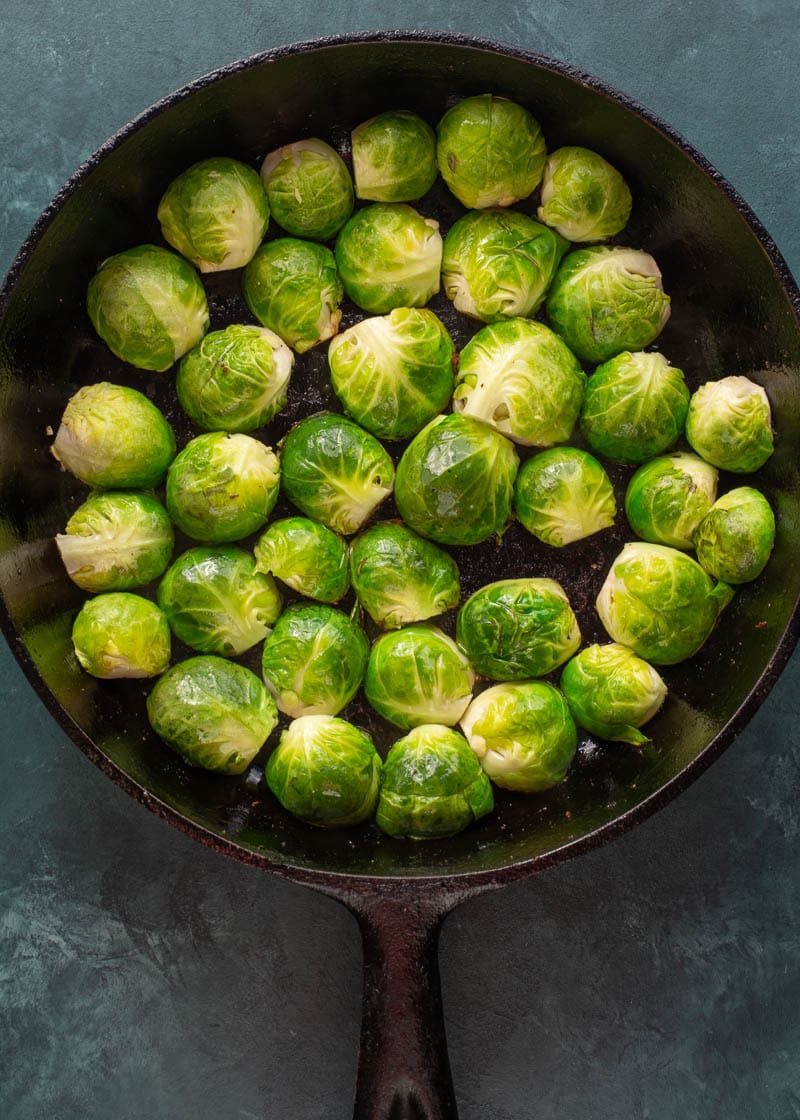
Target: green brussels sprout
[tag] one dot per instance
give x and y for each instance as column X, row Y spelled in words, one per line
column 394, row 373
column 517, row 628
column 394, row 157
column 668, row 497
column 729, row 424
column 563, row 495
column 605, row 300
column 293, row 288
column 334, row 471
column 490, row 151
column 235, row 380
column 308, row 557
column 455, row 481
column 522, row 734
column 111, row 437
column 660, row 602
column 734, row 540
column 497, row 264
column 121, row 635
column 583, row 196
column 433, row 785
column 634, row 408
column 216, row 602
column 215, row 214
column 148, row 305
column 418, row 675
column 521, row 379
column 309, row 189
column 399, row 578
column 325, row 771
column 116, row 541
column 612, row 692
column 314, row 660
column 389, row 256
column 222, row 487
column 213, row 713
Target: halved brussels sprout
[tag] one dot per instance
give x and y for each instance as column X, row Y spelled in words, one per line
column 522, row 734
column 418, row 675
column 660, row 603
column 213, row 713
column 215, row 214
column 235, row 380
column 583, row 196
column 334, row 471
column 121, row 635
column 520, row 377
column 309, row 189
column 563, row 495
column 668, row 497
column 216, row 601
column 433, row 785
column 635, row 407
column 455, row 481
column 729, row 424
column 612, row 693
column 394, row 157
column 498, row 264
column 116, row 541
column 222, row 487
column 517, row 628
column 606, row 300
column 111, row 437
column 490, row 151
column 325, row 771
column 394, row 373
column 734, row 540
column 308, row 557
column 148, row 305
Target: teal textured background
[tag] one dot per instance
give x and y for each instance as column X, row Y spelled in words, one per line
column 144, row 976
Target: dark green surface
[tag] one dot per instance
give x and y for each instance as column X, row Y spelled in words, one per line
column 142, row 975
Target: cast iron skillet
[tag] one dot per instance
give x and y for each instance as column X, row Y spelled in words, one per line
column 736, row 310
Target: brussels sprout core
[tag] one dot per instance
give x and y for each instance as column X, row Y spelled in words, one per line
column 563, row 495
column 418, row 675
column 735, row 538
column 309, row 189
column 729, row 424
column 394, row 157
column 121, row 635
column 612, row 692
column 668, row 497
column 583, row 197
column 308, row 557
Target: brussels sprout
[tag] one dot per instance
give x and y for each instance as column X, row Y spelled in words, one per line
column 606, row 300
column 293, row 288
column 520, row 377
column 668, row 497
column 393, row 373
column 583, row 197
column 214, row 713
column 729, row 424
column 334, row 471
column 121, row 635
column 389, row 256
column 216, row 601
column 114, row 542
column 563, row 495
column 325, row 771
column 497, row 263
column 517, row 628
column 215, row 214
column 235, row 380
column 433, row 785
column 660, row 602
column 400, row 578
column 734, row 540
column 490, row 151
column 221, row 488
column 418, row 675
column 523, row 735
column 612, row 692
column 308, row 557
column 148, row 305
column 455, row 481
column 634, row 408
column 309, row 189
column 314, row 660
column 394, row 157
column 111, row 436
